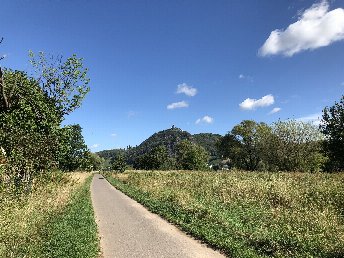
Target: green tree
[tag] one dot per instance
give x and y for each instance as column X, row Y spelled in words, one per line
column 243, row 144
column 293, row 146
column 29, row 126
column 73, row 153
column 332, row 125
column 31, row 111
column 93, row 161
column 156, row 159
column 190, row 156
column 64, row 82
column 118, row 163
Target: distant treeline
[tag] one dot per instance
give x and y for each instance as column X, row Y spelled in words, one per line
column 289, row 145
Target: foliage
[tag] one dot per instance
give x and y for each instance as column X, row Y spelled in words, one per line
column 156, row 159
column 31, row 111
column 64, row 82
column 190, row 156
column 294, row 146
column 118, row 163
column 332, row 125
column 93, row 161
column 73, row 151
column 248, row 214
column 242, row 145
column 28, row 127
column 208, row 141
column 284, row 146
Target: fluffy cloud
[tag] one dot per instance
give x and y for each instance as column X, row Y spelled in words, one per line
column 186, row 89
column 275, row 110
column 113, row 134
column 181, row 104
column 205, row 119
column 316, row 27
column 252, row 104
column 94, row 146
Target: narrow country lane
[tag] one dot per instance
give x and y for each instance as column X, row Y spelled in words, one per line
column 127, row 229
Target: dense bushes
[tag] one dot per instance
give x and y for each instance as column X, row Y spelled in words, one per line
column 284, row 146
column 31, row 111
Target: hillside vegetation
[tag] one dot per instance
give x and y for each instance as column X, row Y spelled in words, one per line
column 248, row 214
column 169, row 139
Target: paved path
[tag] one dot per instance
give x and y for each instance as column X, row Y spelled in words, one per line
column 127, row 229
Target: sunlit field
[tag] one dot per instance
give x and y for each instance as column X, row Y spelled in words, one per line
column 248, row 214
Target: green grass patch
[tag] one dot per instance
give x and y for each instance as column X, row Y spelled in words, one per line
column 54, row 220
column 73, row 232
column 248, row 214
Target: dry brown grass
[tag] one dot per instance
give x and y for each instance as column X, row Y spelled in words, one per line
column 279, row 214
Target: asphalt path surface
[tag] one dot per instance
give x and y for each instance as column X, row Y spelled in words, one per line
column 127, row 229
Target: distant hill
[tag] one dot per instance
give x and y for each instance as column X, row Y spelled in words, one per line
column 168, row 138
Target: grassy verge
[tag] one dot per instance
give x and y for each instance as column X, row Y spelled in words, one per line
column 248, row 214
column 55, row 220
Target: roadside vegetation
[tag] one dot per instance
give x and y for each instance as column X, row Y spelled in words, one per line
column 44, row 212
column 257, row 214
column 54, row 220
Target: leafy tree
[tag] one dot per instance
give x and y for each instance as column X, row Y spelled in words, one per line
column 293, row 146
column 190, row 156
column 242, row 145
column 29, row 126
column 332, row 125
column 156, row 159
column 64, row 82
column 31, row 111
column 73, row 150
column 118, row 163
column 93, row 161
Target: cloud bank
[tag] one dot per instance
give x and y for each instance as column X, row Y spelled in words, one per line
column 181, row 104
column 186, row 89
column 316, row 27
column 252, row 104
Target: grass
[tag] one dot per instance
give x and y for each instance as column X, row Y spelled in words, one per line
column 55, row 220
column 247, row 214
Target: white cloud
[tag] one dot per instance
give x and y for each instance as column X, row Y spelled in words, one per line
column 94, row 146
column 313, row 118
column 186, row 89
column 275, row 110
column 316, row 27
column 113, row 134
column 181, row 104
column 205, row 119
column 252, row 104
column 245, row 77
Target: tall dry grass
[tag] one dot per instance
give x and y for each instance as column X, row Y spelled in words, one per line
column 21, row 217
column 251, row 214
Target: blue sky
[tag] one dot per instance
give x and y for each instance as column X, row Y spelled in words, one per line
column 229, row 60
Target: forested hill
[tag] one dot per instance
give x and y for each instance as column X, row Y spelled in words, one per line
column 207, row 141
column 168, row 138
